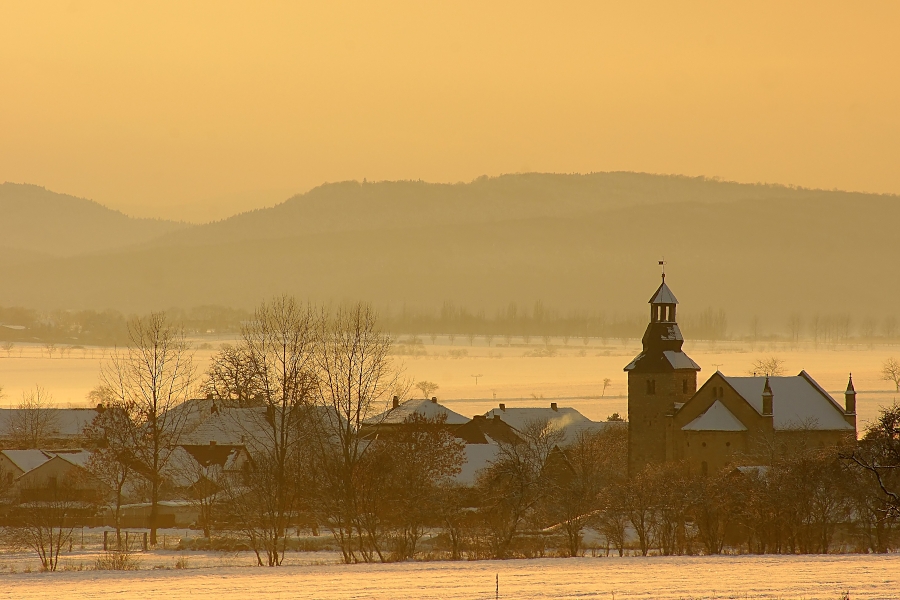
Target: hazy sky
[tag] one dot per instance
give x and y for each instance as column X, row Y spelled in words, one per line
column 196, row 109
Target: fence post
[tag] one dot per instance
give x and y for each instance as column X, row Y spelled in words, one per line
column 145, row 541
column 105, row 535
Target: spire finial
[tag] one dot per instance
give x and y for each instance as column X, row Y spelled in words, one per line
column 662, row 264
column 850, row 388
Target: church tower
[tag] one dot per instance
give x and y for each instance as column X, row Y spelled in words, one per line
column 659, row 378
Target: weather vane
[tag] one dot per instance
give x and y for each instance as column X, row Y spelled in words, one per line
column 662, row 264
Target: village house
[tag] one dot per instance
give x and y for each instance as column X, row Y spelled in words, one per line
column 56, row 427
column 737, row 421
column 398, row 415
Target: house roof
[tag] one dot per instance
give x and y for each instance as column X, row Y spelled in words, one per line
column 663, row 295
column 67, row 422
column 568, row 420
column 476, row 457
column 716, row 418
column 26, row 460
column 79, row 457
column 427, row 408
column 798, row 402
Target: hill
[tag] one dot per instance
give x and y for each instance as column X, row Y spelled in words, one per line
column 40, row 223
column 576, row 242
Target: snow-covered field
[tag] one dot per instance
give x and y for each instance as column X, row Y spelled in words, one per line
column 739, row 577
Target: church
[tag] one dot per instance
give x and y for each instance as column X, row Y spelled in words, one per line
column 728, row 421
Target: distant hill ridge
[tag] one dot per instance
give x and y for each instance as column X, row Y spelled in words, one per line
column 577, row 242
column 38, row 221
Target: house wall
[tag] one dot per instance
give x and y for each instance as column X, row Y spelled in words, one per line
column 9, row 471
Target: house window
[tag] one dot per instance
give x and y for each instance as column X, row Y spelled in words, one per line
column 651, row 386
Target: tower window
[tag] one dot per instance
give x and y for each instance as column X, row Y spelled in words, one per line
column 651, row 386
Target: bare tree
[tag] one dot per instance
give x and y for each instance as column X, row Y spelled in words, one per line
column 427, row 388
column 795, row 326
column 273, row 367
column 147, row 381
column 50, row 347
column 8, row 347
column 772, row 366
column 593, row 460
column 356, row 378
column 606, row 383
column 112, row 461
column 46, row 518
column 34, row 420
column 512, row 487
column 890, row 371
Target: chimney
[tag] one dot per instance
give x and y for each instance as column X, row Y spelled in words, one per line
column 396, row 401
column 212, row 442
column 850, row 398
column 502, row 407
column 553, row 406
column 767, row 399
column 434, row 399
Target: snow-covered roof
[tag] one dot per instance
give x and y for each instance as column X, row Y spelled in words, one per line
column 181, row 468
column 568, row 420
column 477, row 457
column 663, row 295
column 680, row 360
column 27, row 460
column 716, row 418
column 65, row 422
column 231, row 426
column 798, row 402
column 79, row 457
column 238, row 426
column 426, row 408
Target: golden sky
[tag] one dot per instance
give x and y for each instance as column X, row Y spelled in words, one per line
column 197, row 109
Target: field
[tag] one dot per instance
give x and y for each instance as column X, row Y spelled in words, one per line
column 573, row 376
column 663, row 578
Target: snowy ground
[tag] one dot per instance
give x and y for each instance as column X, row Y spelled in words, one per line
column 741, row 577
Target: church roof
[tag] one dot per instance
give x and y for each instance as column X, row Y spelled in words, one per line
column 716, row 418
column 676, row 359
column 680, row 360
column 663, row 295
column 798, row 402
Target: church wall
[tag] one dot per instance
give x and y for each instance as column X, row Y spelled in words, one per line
column 648, row 413
column 714, row 449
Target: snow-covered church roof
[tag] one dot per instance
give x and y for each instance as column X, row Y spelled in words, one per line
column 716, row 418
column 798, row 402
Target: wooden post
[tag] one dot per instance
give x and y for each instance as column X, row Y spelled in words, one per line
column 105, row 536
column 145, row 541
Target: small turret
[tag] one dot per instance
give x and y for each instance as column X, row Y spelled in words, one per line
column 850, row 398
column 767, row 398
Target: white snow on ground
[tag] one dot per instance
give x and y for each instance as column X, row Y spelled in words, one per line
column 663, row 578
